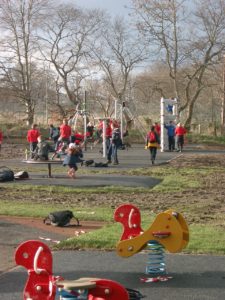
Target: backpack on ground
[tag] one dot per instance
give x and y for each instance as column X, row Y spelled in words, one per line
column 21, row 175
column 6, row 174
column 60, row 218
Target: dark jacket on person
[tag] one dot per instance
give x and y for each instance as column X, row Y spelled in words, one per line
column 73, row 157
column 116, row 137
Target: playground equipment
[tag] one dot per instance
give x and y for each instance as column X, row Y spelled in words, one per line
column 124, row 111
column 168, row 113
column 41, row 284
column 168, row 231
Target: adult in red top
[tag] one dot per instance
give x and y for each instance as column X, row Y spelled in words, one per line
column 108, row 130
column 65, row 131
column 180, row 131
column 32, row 138
column 157, row 128
column 1, row 139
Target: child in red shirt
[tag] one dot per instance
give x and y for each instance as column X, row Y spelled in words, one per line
column 180, row 131
column 32, row 138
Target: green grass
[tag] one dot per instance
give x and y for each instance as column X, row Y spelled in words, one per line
column 203, row 239
column 22, row 209
column 51, row 190
column 172, row 179
column 104, row 238
column 206, row 239
column 206, row 139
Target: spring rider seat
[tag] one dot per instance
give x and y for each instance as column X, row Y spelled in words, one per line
column 41, row 284
column 168, row 231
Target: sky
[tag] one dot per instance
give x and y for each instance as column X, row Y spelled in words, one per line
column 114, row 7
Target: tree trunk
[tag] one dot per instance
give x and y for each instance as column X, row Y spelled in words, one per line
column 187, row 123
column 30, row 115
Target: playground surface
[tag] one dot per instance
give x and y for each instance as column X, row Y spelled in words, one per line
column 194, row 277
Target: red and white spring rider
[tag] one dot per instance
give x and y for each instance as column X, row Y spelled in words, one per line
column 41, row 284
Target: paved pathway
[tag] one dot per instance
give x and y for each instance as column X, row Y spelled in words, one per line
column 136, row 157
column 194, row 277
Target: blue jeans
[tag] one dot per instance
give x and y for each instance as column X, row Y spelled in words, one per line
column 109, row 148
column 33, row 146
column 153, row 152
column 114, row 153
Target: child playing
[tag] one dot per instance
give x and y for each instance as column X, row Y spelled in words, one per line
column 74, row 154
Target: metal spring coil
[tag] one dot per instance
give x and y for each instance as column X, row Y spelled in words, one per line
column 156, row 260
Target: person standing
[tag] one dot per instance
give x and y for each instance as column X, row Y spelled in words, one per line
column 32, row 138
column 53, row 133
column 65, row 132
column 90, row 130
column 171, row 135
column 116, row 143
column 152, row 142
column 108, row 136
column 180, row 132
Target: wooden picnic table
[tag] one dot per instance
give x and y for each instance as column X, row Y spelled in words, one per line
column 49, row 163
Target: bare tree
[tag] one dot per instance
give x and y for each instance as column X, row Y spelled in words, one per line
column 18, row 21
column 100, row 100
column 118, row 53
column 149, row 86
column 65, row 44
column 189, row 41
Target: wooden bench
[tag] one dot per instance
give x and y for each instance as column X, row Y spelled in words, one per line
column 49, row 163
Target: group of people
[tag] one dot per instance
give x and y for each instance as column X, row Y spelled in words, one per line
column 72, row 143
column 175, row 135
column 113, row 139
column 61, row 136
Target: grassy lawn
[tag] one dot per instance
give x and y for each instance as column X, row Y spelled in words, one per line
column 206, row 223
column 203, row 239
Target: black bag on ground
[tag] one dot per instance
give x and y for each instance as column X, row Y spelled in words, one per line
column 60, row 218
column 134, row 294
column 6, row 174
column 88, row 162
column 21, row 175
column 100, row 165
